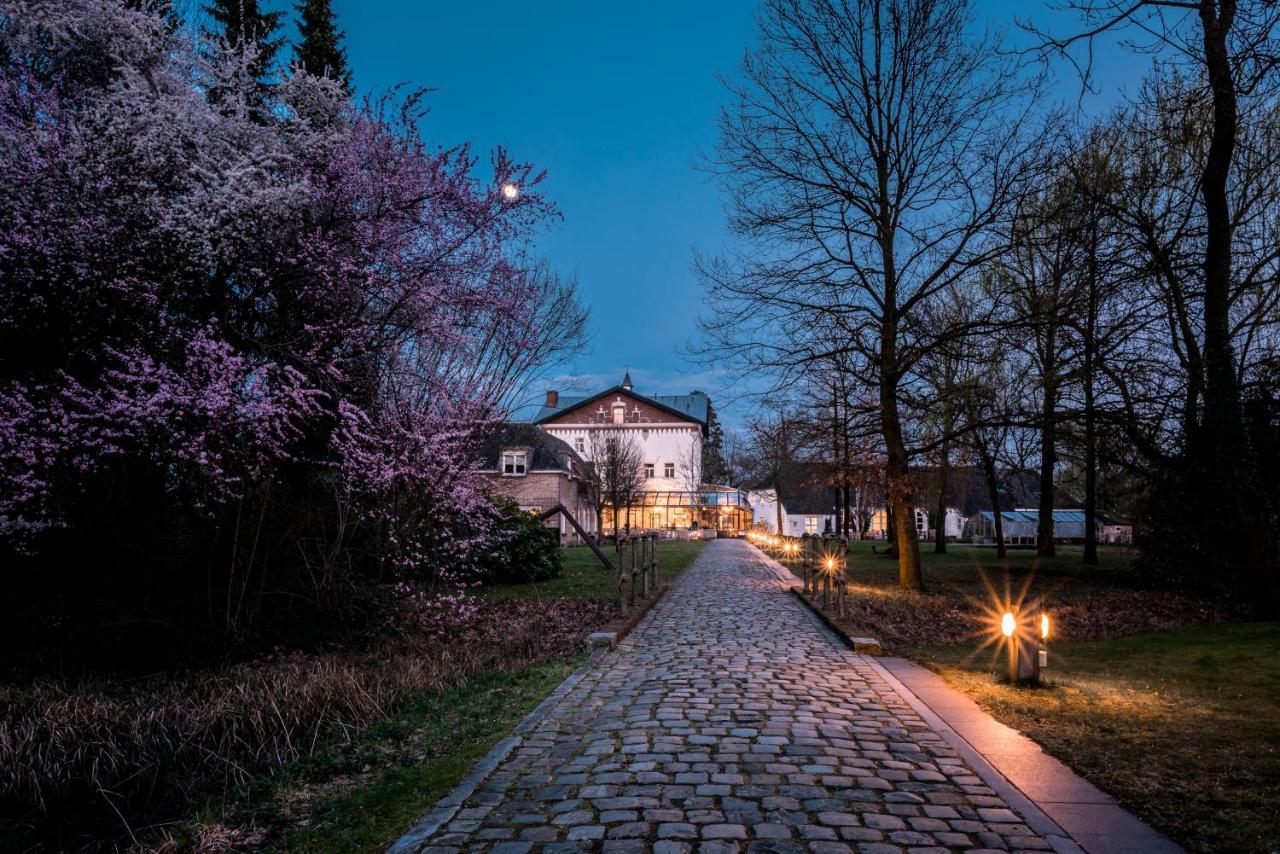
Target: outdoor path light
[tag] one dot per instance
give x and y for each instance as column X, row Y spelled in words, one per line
column 1027, row 654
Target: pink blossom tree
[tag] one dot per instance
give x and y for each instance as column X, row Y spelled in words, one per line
column 274, row 333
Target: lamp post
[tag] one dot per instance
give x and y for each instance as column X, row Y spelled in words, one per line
column 1026, row 655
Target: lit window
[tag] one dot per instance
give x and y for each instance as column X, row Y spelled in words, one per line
column 811, row 524
column 668, row 470
column 514, row 462
column 619, row 413
column 648, row 469
column 579, row 444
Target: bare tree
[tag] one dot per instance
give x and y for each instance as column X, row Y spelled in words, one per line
column 773, row 443
column 869, row 154
column 1231, row 46
column 617, row 477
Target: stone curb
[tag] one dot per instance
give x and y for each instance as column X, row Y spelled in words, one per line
column 1035, row 817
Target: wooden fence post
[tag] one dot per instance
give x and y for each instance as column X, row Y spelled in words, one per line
column 633, row 570
column 621, row 542
column 653, row 570
column 644, row 566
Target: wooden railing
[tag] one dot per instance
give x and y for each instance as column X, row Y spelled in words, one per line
column 637, row 572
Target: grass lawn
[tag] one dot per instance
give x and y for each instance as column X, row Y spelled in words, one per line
column 958, row 564
column 967, row 582
column 362, row 795
column 1182, row 726
column 584, row 577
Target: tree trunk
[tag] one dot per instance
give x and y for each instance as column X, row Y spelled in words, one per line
column 909, row 573
column 1048, row 436
column 993, row 489
column 940, row 524
column 777, row 495
column 1223, row 433
column 1090, row 417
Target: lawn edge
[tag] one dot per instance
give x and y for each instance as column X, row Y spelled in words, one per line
column 447, row 807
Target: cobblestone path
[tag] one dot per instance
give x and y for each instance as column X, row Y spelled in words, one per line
column 728, row 721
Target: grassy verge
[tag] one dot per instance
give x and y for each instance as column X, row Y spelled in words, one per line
column 1182, row 727
column 361, row 795
column 584, row 577
column 967, row 583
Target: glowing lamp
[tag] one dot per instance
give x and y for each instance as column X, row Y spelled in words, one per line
column 1044, row 626
column 831, row 564
column 510, row 192
column 1008, row 625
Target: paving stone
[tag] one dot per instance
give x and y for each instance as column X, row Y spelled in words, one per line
column 699, row 731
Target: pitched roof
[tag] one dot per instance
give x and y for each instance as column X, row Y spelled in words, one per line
column 691, row 406
column 548, row 451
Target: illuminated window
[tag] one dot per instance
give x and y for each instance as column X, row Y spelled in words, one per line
column 619, row 413
column 811, row 524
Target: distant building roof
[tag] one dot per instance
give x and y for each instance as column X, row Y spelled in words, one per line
column 548, row 452
column 1034, row 515
column 683, row 405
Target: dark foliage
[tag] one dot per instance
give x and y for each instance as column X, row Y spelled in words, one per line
column 1190, row 532
column 320, row 51
column 524, row 549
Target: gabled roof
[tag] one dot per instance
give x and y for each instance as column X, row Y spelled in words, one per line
column 686, row 406
column 548, row 452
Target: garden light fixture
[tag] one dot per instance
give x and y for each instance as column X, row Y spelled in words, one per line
column 1008, row 624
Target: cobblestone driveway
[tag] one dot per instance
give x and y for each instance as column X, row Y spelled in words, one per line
column 728, row 721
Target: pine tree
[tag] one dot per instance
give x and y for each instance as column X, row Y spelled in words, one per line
column 243, row 23
column 320, row 51
column 714, row 469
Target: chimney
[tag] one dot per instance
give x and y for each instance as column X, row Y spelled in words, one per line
column 553, row 398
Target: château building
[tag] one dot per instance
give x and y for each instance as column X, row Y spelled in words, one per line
column 670, row 430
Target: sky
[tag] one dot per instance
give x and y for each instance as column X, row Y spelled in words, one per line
column 618, row 102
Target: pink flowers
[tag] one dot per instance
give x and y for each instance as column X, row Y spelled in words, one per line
column 226, row 301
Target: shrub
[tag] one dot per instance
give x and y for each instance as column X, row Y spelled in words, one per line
column 524, row 548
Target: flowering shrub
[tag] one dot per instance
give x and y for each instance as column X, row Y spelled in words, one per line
column 243, row 350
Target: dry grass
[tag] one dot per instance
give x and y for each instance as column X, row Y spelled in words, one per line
column 122, row 756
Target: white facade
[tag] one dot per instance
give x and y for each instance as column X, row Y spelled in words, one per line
column 764, row 505
column 673, row 448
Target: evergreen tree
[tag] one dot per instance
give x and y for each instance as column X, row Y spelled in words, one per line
column 320, row 52
column 243, row 23
column 713, row 465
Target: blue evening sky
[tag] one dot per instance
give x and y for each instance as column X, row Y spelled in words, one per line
column 616, row 100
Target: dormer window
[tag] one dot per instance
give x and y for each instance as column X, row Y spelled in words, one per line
column 515, row 463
